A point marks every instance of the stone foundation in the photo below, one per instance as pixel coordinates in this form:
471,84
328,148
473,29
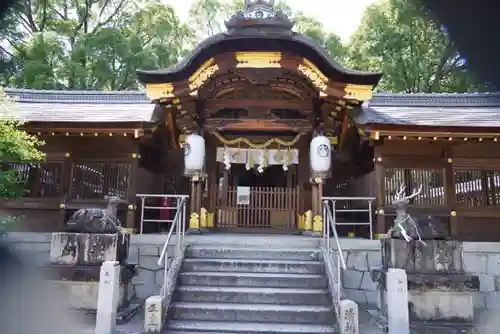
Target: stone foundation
362,256
84,295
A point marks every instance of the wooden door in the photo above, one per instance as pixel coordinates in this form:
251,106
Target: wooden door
269,208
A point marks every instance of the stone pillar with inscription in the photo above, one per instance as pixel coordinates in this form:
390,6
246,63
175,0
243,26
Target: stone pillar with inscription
107,302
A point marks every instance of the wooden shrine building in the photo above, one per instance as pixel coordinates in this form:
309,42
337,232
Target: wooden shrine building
258,94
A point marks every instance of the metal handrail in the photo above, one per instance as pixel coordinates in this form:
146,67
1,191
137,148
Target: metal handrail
178,225
330,222
144,207
367,210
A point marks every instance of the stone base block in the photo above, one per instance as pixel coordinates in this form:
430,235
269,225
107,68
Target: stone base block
88,249
444,306
84,295
435,297
441,305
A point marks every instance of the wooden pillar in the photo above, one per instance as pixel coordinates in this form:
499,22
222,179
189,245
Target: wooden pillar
209,201
316,207
66,178
195,205
450,198
305,195
380,193
130,223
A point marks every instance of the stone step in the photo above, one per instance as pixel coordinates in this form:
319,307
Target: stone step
221,252
195,327
288,314
253,265
270,280
279,296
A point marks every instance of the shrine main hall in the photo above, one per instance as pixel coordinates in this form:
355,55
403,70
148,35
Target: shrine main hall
257,127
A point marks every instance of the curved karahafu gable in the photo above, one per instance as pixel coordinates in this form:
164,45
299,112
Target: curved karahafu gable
265,34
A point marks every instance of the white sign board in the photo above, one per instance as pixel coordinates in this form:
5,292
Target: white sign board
243,196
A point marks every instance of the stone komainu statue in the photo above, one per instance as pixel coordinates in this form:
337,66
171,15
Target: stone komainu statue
96,220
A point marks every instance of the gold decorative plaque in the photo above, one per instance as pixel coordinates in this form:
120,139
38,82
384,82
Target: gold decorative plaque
258,59
311,72
358,92
203,74
157,91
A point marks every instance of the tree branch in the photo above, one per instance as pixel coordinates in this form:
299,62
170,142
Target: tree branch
118,8
5,51
29,16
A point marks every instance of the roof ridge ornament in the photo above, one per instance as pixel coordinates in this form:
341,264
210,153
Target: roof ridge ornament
261,14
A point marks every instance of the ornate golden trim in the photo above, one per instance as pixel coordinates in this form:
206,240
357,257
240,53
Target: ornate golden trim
258,59
203,74
194,221
210,220
310,71
317,225
203,218
358,92
301,220
334,140
158,91
308,220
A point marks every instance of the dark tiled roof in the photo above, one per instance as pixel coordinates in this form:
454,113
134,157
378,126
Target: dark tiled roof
81,106
479,110
446,110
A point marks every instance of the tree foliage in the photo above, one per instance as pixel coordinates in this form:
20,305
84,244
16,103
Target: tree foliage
92,44
98,45
414,52
16,146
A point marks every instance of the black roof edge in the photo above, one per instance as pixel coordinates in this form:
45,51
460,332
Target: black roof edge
295,43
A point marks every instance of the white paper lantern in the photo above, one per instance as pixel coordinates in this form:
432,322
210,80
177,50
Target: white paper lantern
320,152
194,154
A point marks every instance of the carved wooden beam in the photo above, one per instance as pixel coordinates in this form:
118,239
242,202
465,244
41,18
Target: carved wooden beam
343,131
223,63
214,105
293,125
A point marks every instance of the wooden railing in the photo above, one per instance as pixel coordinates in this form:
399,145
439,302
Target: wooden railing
431,180
477,188
39,179
99,180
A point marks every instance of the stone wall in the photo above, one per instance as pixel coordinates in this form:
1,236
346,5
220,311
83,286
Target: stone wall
483,259
362,256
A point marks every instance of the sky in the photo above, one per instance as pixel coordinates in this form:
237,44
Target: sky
339,16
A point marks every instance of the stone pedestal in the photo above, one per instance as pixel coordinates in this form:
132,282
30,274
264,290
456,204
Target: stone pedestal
75,264
438,288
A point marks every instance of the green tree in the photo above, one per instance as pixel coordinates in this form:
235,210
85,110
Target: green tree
207,16
93,44
415,53
16,146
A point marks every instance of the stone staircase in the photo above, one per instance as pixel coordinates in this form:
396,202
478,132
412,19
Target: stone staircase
247,290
